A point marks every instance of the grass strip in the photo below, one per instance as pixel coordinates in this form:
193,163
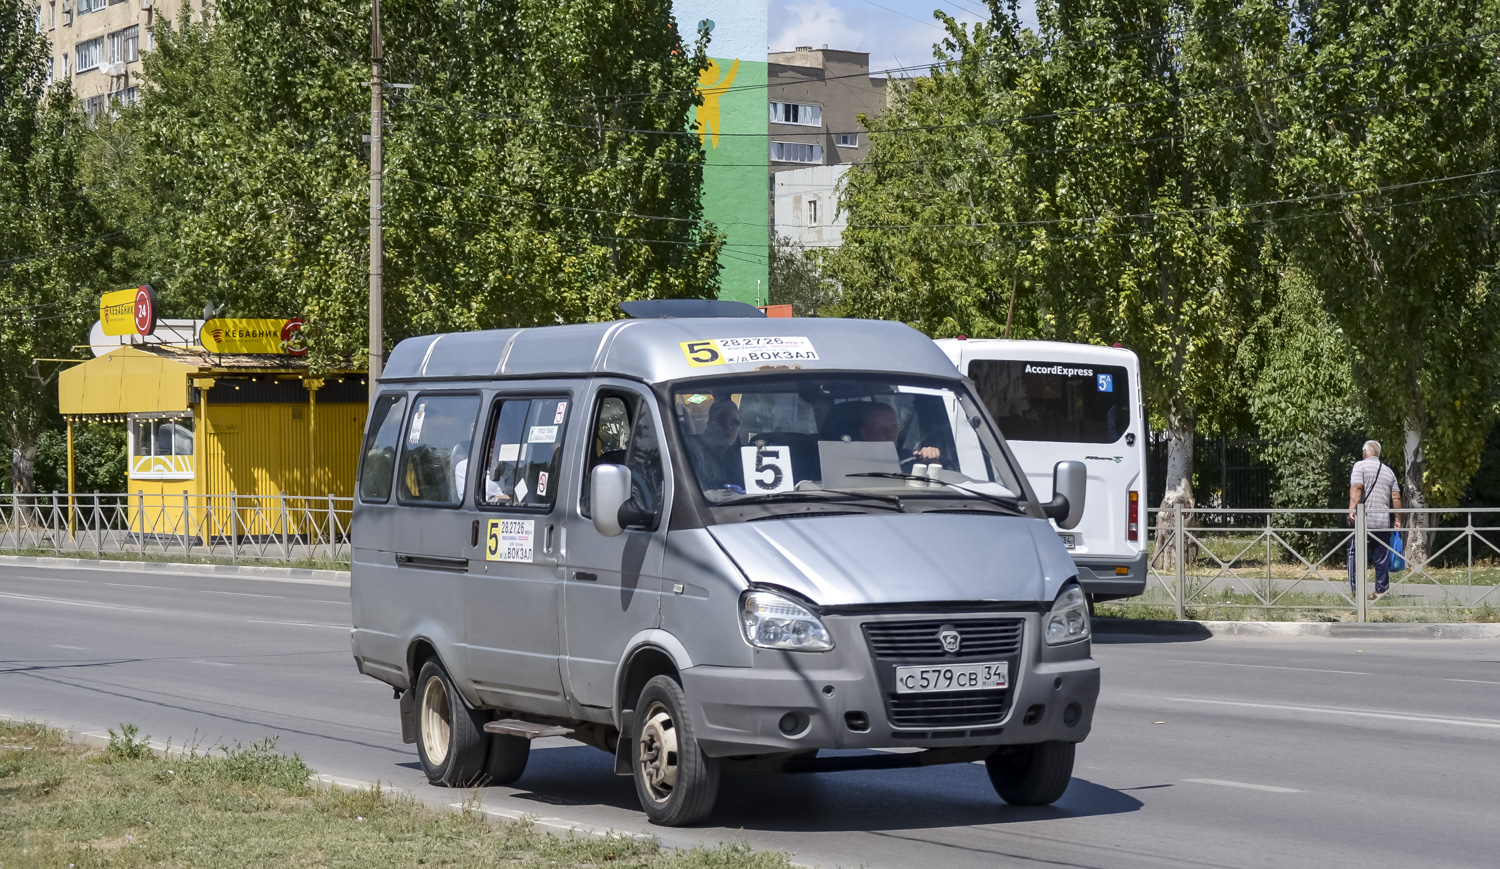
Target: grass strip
65,805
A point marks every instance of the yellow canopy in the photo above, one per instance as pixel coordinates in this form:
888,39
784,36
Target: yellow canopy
124,381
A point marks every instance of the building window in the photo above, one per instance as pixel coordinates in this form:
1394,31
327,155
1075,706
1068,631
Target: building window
848,140
161,448
797,113
51,16
95,106
125,97
90,55
51,70
812,212
87,6
125,45
796,152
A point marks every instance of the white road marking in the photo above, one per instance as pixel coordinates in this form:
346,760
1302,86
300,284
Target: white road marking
212,663
1270,789
1473,681
91,604
272,596
69,648
1488,723
1269,667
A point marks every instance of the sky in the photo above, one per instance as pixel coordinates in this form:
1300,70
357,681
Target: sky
896,33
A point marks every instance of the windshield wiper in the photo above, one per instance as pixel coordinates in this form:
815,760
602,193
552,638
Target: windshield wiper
840,495
1013,504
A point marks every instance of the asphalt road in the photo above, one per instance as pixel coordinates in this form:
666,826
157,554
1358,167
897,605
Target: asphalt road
1218,752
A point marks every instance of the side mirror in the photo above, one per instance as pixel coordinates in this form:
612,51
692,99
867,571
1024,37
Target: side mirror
1069,481
609,490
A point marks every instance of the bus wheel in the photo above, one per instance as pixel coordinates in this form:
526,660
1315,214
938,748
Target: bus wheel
450,736
1031,775
677,784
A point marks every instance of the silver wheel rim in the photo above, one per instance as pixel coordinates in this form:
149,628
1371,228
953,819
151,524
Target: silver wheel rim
658,753
436,721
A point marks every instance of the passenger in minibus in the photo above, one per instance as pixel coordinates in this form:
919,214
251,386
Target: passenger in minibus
716,455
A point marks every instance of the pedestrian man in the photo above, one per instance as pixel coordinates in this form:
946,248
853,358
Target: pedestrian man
1373,484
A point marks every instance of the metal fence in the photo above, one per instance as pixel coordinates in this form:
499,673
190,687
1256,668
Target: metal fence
1214,563
312,530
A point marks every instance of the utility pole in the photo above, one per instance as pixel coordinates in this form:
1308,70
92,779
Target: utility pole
377,253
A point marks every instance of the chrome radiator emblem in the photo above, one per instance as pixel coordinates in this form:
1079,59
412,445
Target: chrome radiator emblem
950,640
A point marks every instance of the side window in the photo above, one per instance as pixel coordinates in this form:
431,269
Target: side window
522,453
435,458
380,449
624,434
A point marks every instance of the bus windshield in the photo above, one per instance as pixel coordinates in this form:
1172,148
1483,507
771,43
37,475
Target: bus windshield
781,437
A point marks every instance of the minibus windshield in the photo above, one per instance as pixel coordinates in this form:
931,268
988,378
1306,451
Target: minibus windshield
807,436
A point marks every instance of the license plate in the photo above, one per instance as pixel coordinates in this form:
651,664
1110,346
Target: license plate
954,677
1068,541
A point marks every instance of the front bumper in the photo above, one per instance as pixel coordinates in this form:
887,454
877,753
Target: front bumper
740,711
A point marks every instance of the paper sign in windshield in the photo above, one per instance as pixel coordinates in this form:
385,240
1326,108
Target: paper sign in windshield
739,351
543,434
509,540
768,470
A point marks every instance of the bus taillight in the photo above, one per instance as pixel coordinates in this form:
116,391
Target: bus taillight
1133,517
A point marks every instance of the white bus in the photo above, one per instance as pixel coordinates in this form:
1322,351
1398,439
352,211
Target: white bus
1059,402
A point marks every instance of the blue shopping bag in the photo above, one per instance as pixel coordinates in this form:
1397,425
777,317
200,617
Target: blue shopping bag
1398,548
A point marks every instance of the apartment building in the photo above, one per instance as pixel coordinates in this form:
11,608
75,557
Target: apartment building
98,44
817,96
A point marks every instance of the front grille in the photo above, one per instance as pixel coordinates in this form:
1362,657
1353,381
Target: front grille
954,709
918,641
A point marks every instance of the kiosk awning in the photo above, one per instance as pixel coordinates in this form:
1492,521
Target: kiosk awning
125,381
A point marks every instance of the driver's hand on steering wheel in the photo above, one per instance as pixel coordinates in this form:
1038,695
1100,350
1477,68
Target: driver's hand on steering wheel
928,454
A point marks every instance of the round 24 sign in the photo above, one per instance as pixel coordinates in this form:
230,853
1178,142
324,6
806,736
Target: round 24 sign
145,310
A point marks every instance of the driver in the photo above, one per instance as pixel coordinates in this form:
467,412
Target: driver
879,423
715,453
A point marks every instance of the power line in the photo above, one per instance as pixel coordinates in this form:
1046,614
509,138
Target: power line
1207,209
1174,230
1043,116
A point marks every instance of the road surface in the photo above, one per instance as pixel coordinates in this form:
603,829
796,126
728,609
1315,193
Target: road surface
1205,753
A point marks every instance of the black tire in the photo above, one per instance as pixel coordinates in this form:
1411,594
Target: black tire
455,758
507,760
676,783
1031,775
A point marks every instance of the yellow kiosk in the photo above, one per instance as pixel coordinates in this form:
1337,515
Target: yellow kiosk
221,443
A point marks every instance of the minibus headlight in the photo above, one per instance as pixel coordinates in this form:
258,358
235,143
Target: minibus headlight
1068,622
771,621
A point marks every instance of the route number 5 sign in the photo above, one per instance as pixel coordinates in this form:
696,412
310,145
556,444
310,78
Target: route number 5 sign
768,470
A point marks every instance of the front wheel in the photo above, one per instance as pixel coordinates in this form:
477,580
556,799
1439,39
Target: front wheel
450,736
676,782
1031,775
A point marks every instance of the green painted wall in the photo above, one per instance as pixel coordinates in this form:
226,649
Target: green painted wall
735,185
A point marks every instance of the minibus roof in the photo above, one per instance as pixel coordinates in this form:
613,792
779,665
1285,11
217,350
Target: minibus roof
670,349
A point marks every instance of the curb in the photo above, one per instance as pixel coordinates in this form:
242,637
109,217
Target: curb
322,577
1329,630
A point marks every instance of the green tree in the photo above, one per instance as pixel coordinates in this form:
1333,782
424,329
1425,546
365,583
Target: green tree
797,280
1100,170
50,238
1404,244
1300,391
541,169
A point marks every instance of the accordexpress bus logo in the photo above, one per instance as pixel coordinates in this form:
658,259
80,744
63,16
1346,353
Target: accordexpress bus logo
1062,370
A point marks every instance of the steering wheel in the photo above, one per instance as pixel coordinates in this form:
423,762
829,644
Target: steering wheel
909,461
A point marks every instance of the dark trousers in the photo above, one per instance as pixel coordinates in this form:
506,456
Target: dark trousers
1377,555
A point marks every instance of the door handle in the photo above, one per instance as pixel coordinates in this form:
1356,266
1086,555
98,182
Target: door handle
547,540
474,533
585,576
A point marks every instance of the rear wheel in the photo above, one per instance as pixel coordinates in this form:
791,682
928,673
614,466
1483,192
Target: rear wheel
507,760
450,736
1031,775
677,784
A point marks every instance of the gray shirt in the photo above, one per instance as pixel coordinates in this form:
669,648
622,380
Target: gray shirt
1379,482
